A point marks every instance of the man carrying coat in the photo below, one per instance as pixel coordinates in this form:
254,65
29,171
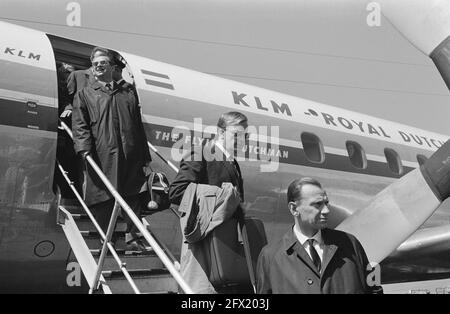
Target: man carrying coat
311,258
107,125
213,166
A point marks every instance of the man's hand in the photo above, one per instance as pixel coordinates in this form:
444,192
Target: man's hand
84,154
66,113
147,168
227,184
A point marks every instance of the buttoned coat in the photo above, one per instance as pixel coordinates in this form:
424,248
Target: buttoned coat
285,267
108,124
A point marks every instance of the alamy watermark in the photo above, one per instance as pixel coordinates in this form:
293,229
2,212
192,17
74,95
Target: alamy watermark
73,279
253,143
374,274
74,16
374,17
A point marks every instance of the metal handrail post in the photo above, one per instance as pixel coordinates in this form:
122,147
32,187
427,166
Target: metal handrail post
109,234
137,222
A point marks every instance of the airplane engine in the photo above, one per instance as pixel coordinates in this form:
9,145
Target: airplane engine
401,208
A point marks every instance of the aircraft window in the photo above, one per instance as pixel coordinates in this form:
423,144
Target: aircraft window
313,148
421,159
356,154
393,160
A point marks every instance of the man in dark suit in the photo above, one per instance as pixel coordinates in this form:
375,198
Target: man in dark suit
311,258
213,164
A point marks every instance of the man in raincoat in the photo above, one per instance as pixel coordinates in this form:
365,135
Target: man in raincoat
107,125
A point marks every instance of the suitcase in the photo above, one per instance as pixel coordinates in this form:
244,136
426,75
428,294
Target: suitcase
228,261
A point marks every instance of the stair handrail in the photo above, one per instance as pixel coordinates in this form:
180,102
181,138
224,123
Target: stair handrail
136,221
94,285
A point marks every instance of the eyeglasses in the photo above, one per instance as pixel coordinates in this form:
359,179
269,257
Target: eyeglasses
102,62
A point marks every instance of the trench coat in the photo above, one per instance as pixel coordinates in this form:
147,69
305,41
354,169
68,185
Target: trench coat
108,124
285,267
203,208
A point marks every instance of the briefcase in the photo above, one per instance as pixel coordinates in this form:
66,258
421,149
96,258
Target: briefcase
228,261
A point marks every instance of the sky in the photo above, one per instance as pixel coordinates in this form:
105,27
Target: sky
322,50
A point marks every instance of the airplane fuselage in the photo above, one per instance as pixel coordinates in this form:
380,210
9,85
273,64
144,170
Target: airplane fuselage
353,155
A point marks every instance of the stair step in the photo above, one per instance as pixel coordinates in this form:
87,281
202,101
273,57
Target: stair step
93,242
70,202
157,282
150,261
114,274
96,252
95,234
74,209
77,217
87,225
122,252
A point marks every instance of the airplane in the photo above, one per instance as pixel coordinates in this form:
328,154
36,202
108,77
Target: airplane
355,156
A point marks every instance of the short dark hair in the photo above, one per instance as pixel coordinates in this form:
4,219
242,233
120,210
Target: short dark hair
295,188
104,52
231,118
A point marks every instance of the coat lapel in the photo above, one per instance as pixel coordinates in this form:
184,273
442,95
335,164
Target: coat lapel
303,255
225,163
291,244
329,250
97,86
231,171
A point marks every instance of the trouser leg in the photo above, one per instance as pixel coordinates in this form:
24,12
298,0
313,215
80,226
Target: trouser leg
135,203
102,213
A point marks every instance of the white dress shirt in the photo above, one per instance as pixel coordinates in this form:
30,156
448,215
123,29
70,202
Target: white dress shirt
105,83
318,242
224,151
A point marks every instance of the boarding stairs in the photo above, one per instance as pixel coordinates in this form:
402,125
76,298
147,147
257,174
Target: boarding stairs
109,268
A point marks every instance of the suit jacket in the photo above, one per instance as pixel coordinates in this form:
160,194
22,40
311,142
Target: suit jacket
195,168
78,80
285,267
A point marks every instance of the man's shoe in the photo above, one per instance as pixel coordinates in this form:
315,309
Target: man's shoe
137,246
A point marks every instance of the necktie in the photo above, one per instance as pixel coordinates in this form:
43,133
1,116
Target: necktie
237,168
314,256
239,177
108,86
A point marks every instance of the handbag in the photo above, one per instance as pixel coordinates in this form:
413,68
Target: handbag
157,196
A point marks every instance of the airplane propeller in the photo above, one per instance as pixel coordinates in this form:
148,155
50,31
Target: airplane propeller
426,24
